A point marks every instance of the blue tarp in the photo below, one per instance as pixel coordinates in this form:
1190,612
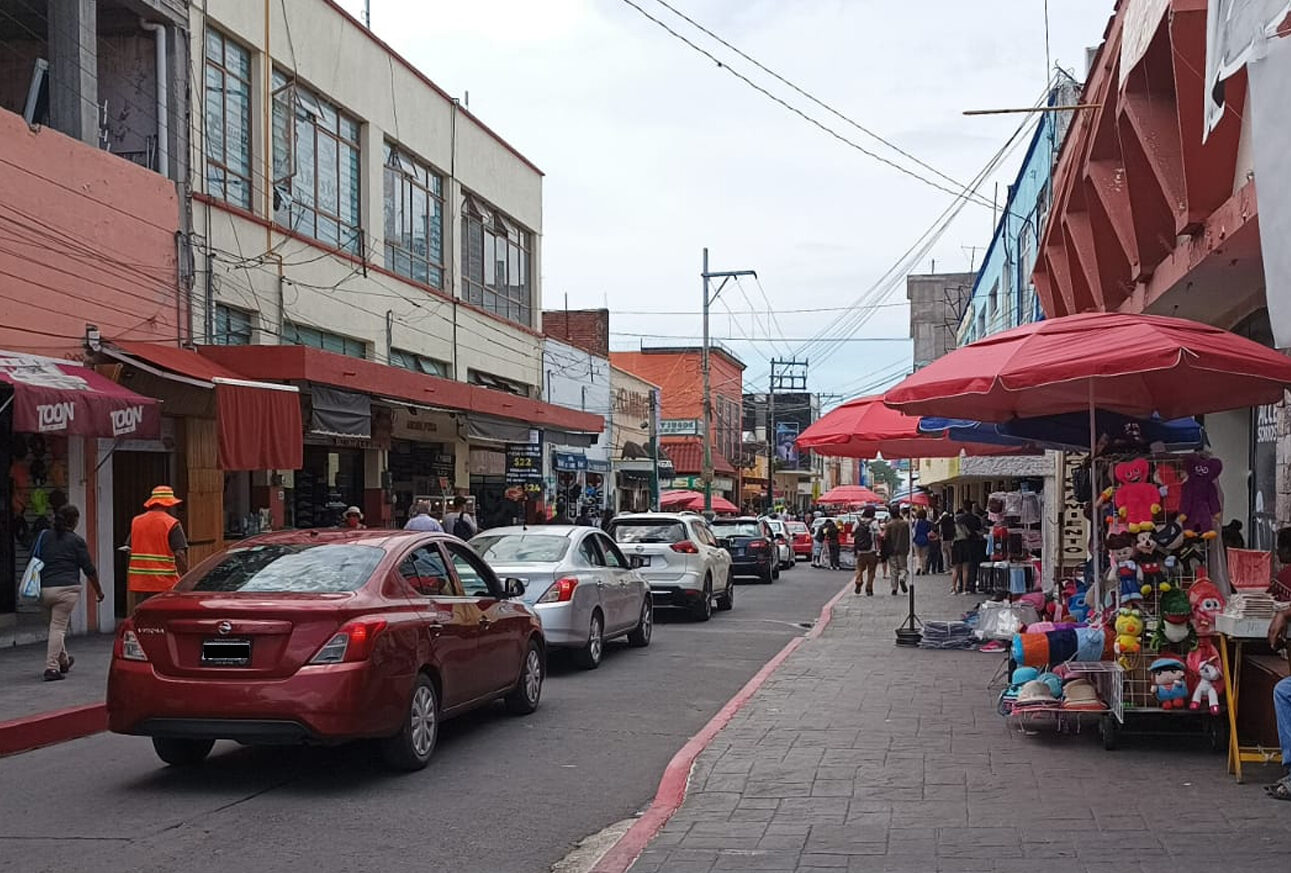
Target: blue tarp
1070,431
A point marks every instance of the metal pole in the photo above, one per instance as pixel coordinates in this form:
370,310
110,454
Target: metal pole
654,450
771,442
707,409
367,14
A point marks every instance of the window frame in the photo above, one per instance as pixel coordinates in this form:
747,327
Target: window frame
609,550
588,550
443,369
498,297
411,175
451,549
291,332
220,338
221,163
450,579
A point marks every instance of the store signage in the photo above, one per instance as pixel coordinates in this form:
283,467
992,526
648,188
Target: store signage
679,427
1073,532
524,466
126,421
569,461
54,416
631,403
595,465
1264,478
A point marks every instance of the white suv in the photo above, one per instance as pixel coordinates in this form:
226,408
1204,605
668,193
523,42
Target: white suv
678,555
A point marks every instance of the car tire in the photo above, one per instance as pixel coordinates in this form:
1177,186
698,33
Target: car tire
589,656
775,571
527,694
180,752
726,601
766,577
703,609
639,636
411,748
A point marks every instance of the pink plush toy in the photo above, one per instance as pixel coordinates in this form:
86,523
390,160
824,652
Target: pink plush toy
1200,497
1137,500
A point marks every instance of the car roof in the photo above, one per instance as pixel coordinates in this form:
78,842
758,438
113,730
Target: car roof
656,516
542,530
332,536
735,518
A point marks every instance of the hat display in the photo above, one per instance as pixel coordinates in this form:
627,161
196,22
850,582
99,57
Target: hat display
1080,694
1035,693
162,495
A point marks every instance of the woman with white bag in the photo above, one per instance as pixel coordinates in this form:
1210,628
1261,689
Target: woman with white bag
64,556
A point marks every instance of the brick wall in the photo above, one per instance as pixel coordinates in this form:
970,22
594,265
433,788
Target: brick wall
587,329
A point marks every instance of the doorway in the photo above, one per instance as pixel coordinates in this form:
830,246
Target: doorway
134,475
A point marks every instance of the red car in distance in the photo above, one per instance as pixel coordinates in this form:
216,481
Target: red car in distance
324,636
800,539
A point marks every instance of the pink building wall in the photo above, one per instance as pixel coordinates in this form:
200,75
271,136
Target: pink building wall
85,237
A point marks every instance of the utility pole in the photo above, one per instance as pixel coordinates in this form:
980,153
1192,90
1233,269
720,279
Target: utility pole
705,276
654,450
771,441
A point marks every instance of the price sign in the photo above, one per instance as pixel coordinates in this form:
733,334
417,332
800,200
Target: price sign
524,466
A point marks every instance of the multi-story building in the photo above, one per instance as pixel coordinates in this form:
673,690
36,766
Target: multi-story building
798,475
633,443
576,467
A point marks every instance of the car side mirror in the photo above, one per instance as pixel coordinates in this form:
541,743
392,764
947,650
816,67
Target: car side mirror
635,562
512,587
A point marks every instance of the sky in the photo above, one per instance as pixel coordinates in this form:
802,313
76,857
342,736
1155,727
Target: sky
653,151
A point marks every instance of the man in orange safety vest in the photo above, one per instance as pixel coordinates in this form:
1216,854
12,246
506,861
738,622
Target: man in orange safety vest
158,548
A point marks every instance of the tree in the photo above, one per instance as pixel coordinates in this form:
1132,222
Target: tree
882,471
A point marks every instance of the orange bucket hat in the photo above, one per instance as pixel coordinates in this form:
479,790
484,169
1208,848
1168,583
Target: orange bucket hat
162,495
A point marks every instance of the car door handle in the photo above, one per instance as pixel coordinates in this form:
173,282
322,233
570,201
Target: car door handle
485,621
435,629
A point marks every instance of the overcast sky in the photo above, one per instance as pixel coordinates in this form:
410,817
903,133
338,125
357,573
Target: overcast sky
651,151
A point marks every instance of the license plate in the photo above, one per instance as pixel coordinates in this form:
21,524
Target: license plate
644,559
737,552
226,653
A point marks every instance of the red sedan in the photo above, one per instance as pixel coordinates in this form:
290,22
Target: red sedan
324,636
801,537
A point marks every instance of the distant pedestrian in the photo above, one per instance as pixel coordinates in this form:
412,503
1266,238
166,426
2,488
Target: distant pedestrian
158,548
1231,535
923,529
422,519
865,547
459,522
898,542
353,519
817,545
66,557
968,529
832,549
885,553
946,537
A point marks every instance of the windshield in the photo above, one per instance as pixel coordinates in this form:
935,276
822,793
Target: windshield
736,528
661,531
797,527
296,568
521,548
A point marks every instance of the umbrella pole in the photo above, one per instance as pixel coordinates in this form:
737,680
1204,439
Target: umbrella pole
1096,584
910,633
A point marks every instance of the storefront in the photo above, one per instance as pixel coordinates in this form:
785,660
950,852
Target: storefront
422,460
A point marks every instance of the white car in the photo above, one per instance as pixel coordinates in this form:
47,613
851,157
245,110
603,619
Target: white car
783,544
679,556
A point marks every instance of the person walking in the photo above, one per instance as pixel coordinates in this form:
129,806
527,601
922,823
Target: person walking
832,543
885,553
66,557
158,548
817,545
459,522
865,545
422,519
898,543
946,537
923,529
964,550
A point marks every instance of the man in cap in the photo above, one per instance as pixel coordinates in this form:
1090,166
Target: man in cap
158,548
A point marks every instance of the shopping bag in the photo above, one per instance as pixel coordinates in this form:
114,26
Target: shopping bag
30,586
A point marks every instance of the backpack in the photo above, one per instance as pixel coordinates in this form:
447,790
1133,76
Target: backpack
462,528
863,538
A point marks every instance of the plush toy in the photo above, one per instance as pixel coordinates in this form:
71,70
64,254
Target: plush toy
1199,501
1171,482
1207,602
1174,624
1136,499
1076,593
1207,678
1124,573
1168,674
1129,629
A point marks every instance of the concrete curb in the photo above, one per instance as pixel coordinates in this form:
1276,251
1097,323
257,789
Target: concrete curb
49,728
676,776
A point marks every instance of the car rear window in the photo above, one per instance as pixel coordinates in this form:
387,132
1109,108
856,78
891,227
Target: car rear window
736,528
521,548
797,527
297,568
662,531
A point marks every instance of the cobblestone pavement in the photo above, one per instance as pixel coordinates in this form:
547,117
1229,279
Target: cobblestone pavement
858,755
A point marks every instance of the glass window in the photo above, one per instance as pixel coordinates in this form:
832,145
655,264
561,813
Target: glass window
495,263
521,548
424,570
662,531
738,528
301,335
705,534
232,326
588,553
316,166
471,572
613,557
296,568
418,363
228,120
414,218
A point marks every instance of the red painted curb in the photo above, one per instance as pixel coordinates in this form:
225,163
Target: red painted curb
676,776
48,728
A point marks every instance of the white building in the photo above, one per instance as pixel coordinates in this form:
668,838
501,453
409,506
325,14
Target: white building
579,473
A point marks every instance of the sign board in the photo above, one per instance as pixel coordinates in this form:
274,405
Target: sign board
568,461
524,466
679,427
1073,532
1264,477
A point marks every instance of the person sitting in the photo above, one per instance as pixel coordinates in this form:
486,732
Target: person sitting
1281,790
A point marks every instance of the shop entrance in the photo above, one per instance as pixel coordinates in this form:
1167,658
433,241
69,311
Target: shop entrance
330,480
134,475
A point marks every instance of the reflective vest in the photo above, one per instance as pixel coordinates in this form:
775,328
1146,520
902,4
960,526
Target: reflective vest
152,563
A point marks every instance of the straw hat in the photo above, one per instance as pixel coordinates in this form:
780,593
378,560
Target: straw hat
1035,692
1080,694
162,495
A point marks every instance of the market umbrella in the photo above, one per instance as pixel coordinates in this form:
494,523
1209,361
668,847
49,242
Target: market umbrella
913,498
848,494
865,428
1071,430
672,498
694,501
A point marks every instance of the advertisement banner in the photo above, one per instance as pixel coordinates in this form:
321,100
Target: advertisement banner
786,448
1264,478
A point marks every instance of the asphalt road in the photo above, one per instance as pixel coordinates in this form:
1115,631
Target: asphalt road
502,793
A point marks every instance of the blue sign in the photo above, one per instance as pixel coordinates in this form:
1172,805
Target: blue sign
569,461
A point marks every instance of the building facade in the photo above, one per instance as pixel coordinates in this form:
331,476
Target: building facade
579,479
640,470
937,304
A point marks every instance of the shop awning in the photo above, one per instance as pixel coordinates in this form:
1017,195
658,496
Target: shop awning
259,423
303,364
687,455
60,397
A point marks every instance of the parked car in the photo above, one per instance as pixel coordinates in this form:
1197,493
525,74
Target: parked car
323,636
679,556
578,581
752,547
780,535
800,540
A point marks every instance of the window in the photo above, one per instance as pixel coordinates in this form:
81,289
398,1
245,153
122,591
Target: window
418,363
613,557
497,383
705,534
495,263
470,572
300,335
232,326
228,120
528,548
307,568
315,166
587,552
414,218
648,531
425,572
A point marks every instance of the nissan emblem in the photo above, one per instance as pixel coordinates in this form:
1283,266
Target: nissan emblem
225,628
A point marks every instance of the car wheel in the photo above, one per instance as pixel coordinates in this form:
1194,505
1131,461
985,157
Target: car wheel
182,752
411,748
639,636
726,601
524,698
589,656
703,610
766,577
775,571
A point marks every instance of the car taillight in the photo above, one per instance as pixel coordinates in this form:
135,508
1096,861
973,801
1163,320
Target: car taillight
353,642
757,545
127,646
686,547
561,591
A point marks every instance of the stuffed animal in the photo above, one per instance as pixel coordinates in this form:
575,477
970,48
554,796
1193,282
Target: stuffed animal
1207,602
1168,678
1208,679
1199,502
1171,482
1136,499
1124,573
1129,629
1174,624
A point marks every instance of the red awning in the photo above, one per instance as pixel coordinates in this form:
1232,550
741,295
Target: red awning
61,397
259,423
687,455
303,364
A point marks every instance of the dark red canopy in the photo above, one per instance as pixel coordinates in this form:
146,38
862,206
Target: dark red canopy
1132,364
866,428
61,397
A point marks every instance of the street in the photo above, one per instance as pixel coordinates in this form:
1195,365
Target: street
501,794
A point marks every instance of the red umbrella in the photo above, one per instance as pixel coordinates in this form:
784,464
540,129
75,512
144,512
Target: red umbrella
694,502
1132,364
672,498
865,428
848,494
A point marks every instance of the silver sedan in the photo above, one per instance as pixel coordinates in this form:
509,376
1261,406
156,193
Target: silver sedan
580,584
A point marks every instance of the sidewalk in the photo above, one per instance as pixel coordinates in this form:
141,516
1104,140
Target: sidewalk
34,712
857,755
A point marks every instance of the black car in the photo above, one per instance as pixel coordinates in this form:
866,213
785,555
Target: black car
752,547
